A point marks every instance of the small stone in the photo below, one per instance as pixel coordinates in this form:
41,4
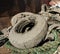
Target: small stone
8,49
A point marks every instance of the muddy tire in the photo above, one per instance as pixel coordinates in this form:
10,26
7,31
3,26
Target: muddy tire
17,17
28,31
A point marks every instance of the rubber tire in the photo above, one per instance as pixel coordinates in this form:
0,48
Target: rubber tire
31,38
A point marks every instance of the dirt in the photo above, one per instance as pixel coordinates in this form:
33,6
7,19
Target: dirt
4,22
4,50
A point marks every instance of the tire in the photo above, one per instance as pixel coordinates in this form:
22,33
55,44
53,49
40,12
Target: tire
18,16
30,36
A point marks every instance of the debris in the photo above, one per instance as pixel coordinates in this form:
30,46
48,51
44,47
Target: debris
24,28
29,29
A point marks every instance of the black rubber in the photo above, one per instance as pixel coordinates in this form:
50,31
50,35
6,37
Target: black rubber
3,41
